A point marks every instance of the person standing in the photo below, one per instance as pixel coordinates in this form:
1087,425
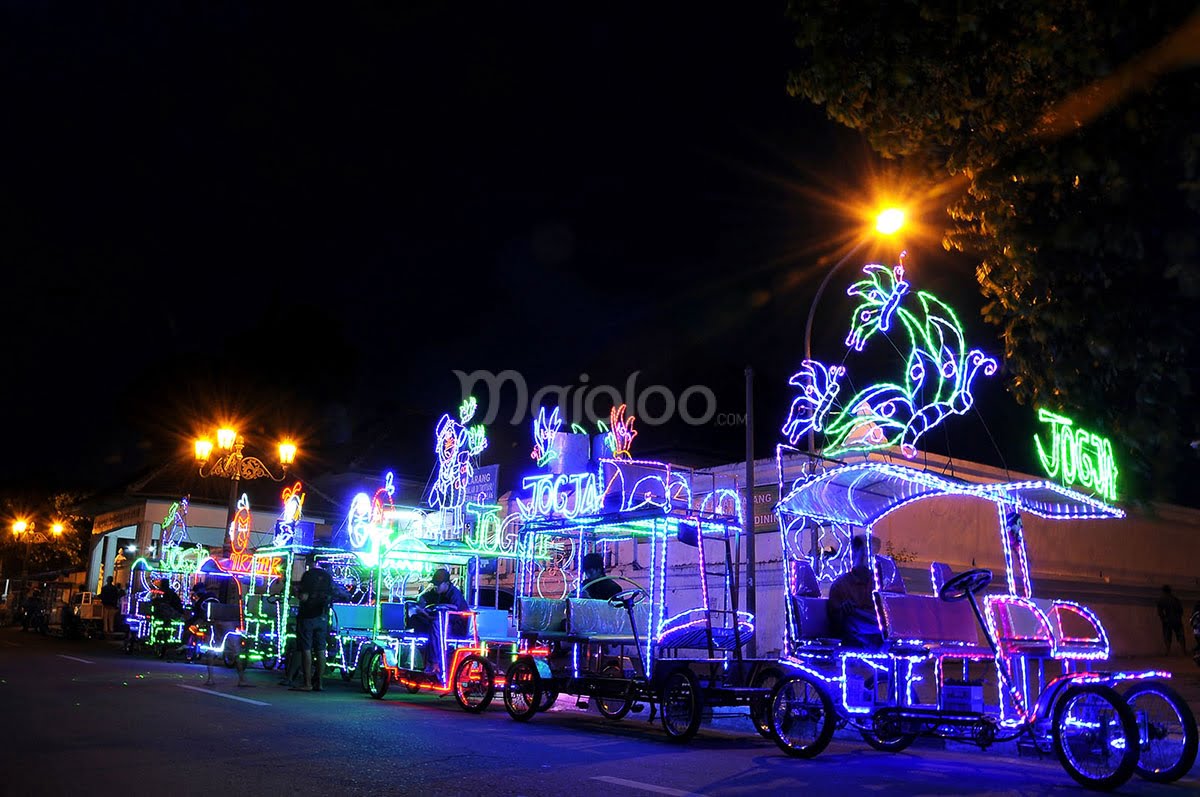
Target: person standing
312,625
110,602
1170,613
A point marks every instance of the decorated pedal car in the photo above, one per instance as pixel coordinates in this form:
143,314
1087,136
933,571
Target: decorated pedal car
1103,726
674,642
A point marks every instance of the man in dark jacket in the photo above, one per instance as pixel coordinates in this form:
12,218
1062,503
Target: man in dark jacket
316,594
1170,613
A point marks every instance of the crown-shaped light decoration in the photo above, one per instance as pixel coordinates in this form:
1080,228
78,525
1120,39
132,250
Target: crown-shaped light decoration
939,371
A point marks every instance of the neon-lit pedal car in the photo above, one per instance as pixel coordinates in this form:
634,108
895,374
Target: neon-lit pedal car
901,691
466,654
676,642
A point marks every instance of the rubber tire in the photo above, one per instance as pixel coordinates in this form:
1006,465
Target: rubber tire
759,710
549,698
522,702
824,733
613,671
891,744
487,677
1125,768
681,685
1188,756
270,662
229,653
375,678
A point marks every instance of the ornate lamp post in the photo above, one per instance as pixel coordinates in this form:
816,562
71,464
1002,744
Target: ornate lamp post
236,466
888,222
22,528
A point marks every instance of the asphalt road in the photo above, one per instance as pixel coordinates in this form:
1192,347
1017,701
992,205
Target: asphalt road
82,718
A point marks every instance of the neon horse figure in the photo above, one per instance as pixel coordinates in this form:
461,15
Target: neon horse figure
938,375
456,445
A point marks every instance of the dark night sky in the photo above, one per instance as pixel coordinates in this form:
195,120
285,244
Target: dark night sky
310,218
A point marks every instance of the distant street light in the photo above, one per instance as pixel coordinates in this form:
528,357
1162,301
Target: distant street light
237,466
888,222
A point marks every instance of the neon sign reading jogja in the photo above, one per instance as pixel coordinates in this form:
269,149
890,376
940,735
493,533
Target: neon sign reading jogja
1075,455
560,495
939,371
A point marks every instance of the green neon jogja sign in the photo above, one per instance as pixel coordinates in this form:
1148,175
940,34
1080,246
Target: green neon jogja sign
1077,456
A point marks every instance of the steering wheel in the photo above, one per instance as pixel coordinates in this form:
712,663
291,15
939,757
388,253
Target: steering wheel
966,583
628,597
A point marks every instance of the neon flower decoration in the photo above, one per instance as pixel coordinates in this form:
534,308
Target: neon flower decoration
545,437
939,371
239,536
620,433
174,525
1075,455
456,445
293,505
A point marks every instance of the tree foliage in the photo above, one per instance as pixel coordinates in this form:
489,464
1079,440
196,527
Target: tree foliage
1072,127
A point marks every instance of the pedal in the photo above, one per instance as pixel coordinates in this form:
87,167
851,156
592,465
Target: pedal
637,708
581,702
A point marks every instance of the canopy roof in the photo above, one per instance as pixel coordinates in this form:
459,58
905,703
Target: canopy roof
862,493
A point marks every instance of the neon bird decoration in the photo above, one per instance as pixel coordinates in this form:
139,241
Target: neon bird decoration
939,372
545,437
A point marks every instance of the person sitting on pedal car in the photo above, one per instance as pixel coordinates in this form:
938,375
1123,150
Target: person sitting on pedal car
423,617
167,605
596,584
851,607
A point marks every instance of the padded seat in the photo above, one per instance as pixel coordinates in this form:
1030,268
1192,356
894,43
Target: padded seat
810,625
1076,631
599,621
542,617
353,617
494,625
691,630
922,622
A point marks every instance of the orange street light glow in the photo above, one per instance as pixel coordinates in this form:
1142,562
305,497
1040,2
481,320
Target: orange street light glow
19,527
889,221
287,452
226,438
203,450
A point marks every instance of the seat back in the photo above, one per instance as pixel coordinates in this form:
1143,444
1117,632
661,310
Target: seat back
392,616
494,625
802,580
810,617
1018,621
927,620
351,616
890,579
1074,628
542,615
590,617
222,612
939,574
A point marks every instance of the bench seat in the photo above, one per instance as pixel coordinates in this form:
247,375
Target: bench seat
925,623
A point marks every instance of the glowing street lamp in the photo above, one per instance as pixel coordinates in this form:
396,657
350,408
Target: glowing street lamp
27,529
231,463
887,222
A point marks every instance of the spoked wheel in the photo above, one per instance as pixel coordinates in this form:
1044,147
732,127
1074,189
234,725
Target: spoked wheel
1095,736
474,684
799,715
613,708
760,708
522,689
681,705
270,661
1166,732
375,680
